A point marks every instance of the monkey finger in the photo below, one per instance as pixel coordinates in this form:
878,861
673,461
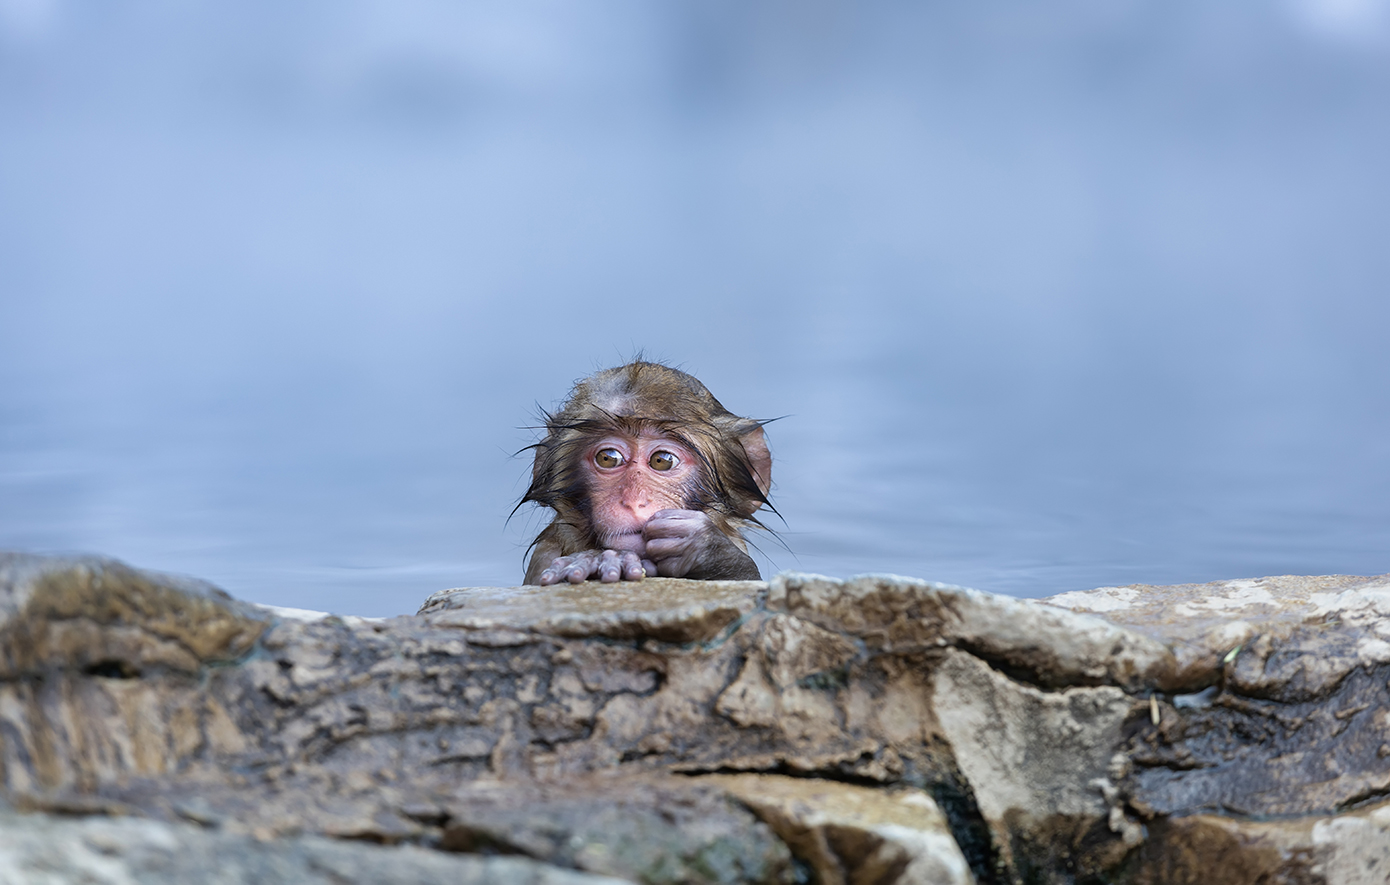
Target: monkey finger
610,567
677,513
649,567
578,574
675,566
632,567
556,572
575,569
675,524
665,548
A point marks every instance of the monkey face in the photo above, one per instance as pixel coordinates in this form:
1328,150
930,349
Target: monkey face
629,478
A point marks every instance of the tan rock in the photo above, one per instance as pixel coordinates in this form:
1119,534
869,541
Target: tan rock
1119,742
43,850
667,609
852,834
1352,848
1202,623
1053,647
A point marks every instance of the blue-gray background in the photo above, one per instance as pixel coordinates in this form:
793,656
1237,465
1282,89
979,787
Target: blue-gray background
1053,295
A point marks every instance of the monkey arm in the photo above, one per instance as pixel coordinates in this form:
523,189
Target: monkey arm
550,544
688,544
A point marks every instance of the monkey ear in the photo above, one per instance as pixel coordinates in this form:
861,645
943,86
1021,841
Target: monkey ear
760,459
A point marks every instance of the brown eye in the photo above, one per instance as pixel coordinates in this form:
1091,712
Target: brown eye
662,461
608,458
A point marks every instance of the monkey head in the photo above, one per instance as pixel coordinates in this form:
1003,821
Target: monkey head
643,462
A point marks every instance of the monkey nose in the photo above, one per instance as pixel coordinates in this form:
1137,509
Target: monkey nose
642,511
641,507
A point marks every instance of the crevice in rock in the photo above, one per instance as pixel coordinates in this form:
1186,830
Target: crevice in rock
1029,676
551,745
464,839
826,680
782,768
723,636
112,669
376,837
1366,797
430,817
1176,764
951,794
633,755
458,759
968,828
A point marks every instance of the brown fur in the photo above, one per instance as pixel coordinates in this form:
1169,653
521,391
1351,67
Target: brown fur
735,467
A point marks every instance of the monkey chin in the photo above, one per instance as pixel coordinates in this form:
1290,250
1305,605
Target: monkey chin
626,542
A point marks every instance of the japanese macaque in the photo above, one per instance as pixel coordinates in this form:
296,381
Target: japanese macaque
648,475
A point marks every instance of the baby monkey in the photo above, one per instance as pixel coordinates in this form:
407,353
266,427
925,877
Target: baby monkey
648,475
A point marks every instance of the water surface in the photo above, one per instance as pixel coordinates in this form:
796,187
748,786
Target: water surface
1050,298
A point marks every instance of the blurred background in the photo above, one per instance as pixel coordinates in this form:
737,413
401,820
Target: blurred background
1051,296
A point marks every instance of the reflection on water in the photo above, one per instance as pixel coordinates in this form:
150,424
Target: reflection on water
1051,298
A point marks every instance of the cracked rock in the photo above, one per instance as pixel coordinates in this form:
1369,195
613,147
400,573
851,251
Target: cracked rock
878,729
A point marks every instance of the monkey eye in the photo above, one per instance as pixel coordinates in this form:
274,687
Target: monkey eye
663,461
608,458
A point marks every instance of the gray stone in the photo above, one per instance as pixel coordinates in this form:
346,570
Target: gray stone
39,849
1202,623
877,729
1033,758
667,610
1050,647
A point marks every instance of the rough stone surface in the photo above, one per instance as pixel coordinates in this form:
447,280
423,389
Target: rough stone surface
667,610
879,730
1201,623
1046,646
40,849
1292,721
855,834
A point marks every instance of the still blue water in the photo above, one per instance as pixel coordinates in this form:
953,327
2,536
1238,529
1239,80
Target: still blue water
1050,297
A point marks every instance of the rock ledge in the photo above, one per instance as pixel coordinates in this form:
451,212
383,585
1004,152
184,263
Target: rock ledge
879,729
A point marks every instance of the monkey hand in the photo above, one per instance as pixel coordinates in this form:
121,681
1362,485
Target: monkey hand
687,544
607,565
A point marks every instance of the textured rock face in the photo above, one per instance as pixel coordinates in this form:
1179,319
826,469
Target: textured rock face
37,849
874,730
1288,718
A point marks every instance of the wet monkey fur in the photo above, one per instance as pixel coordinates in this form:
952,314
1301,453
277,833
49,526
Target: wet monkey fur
648,475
